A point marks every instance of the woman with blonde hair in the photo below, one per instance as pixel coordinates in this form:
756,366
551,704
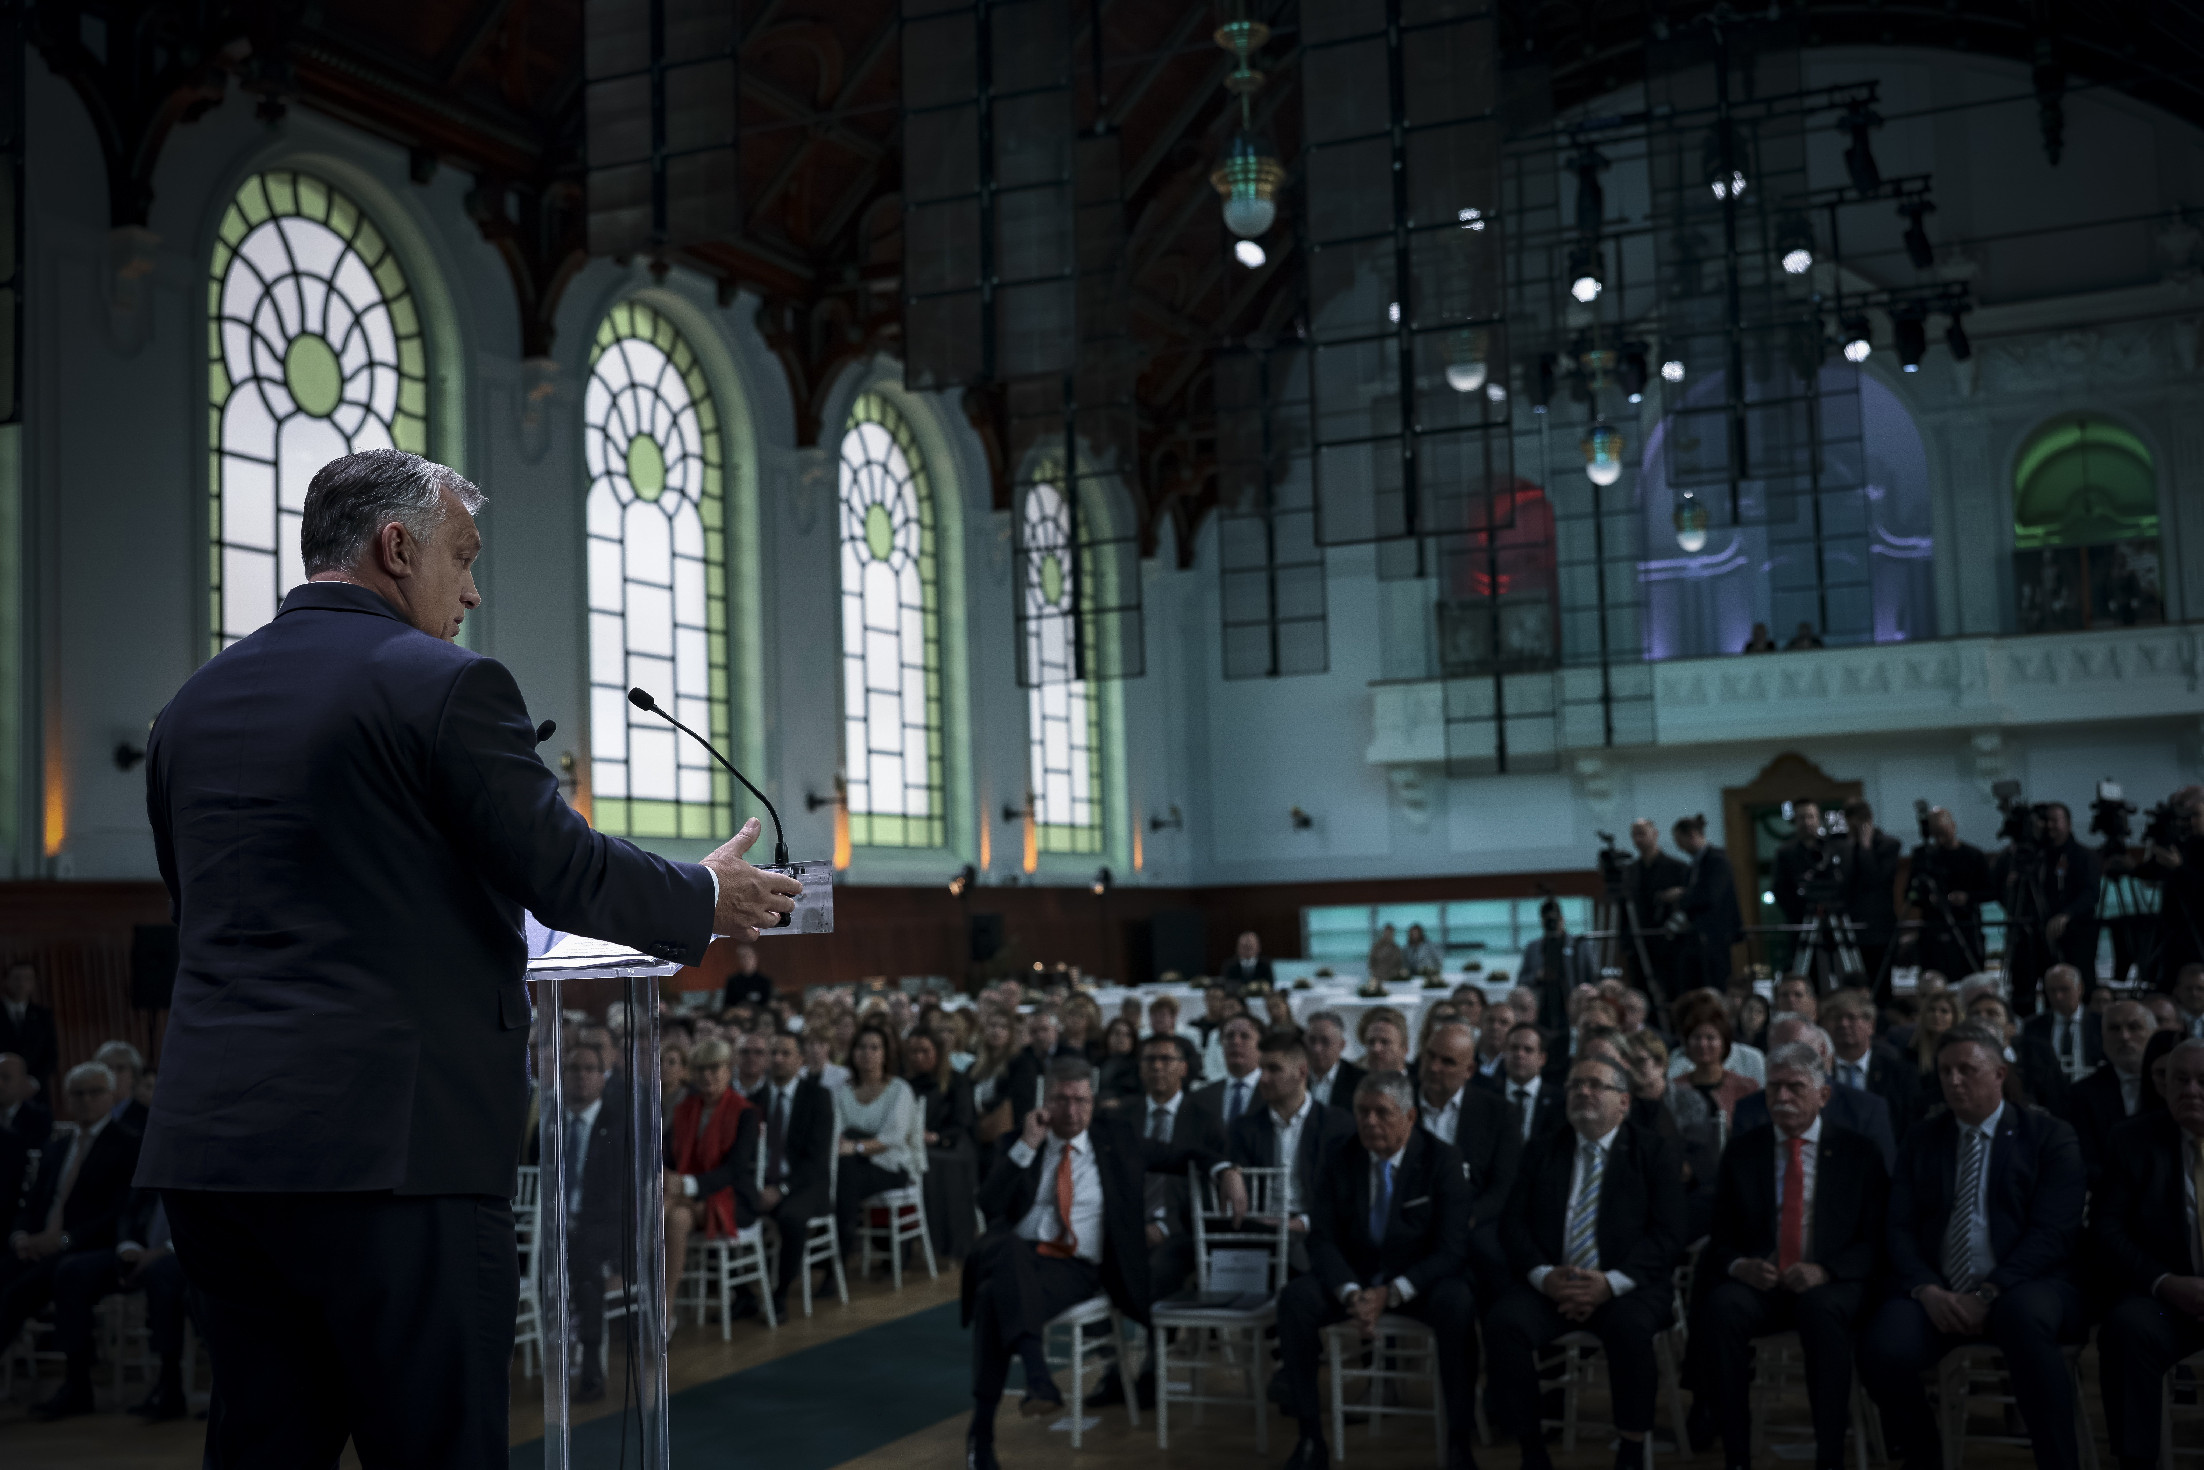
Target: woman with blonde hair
1939,1012
711,1151
1081,1020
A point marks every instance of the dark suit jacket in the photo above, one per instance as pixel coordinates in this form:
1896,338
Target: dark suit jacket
350,816
1894,1078
1848,1107
15,1174
1851,1191
1641,1207
1489,1137
1237,976
751,989
1426,1229
1871,888
1344,1084
1196,1129
1793,860
32,1123
810,1141
1547,1109
2038,1028
1211,1094
595,1231
1710,899
1122,1157
2041,1074
2035,1187
35,1041
951,1114
2070,882
2139,1220
1254,1144
2095,1107
95,1205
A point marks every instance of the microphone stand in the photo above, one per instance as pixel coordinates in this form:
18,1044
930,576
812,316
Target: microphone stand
642,700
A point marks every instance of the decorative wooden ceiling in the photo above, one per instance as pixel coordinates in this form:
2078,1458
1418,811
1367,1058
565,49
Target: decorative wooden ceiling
494,88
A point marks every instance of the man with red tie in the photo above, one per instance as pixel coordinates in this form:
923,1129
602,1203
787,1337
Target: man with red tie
1798,1226
1064,1206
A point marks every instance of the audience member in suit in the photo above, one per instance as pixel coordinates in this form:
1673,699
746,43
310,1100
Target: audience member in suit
22,1114
2144,1224
1483,1130
746,983
712,1155
1555,964
2073,1036
2113,1093
1797,1234
1233,1093
1247,967
1290,1131
1043,1044
1332,1078
1534,1100
75,1204
122,1059
1063,1202
142,1259
15,1175
1652,882
2188,1000
1985,1213
1856,1109
1593,1230
1388,1232
26,1027
1709,902
1861,1063
594,1140
2069,890
2042,1081
796,1141
1169,1116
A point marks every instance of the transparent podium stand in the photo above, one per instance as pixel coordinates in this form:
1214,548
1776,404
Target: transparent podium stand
591,1214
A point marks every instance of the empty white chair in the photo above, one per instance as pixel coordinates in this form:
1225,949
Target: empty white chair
717,1265
1231,1333
1074,1322
1403,1351
886,1223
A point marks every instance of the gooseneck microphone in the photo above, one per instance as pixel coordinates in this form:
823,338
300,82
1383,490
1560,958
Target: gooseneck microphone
642,700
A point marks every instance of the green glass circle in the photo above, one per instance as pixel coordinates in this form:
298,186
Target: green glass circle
311,373
1052,579
879,531
646,467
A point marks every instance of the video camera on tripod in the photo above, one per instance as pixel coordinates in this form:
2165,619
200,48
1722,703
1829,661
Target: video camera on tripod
2024,824
1823,885
2108,816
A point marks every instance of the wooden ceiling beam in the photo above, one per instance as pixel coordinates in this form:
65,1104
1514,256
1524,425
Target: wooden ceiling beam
458,58
859,75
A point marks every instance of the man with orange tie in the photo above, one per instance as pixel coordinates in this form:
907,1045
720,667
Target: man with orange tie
1798,1227
1064,1210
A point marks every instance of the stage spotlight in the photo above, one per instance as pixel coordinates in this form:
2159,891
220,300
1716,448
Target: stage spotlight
1722,164
1249,253
1918,248
1794,244
1603,454
1630,374
1909,330
1584,274
1856,343
1955,337
1859,158
1691,525
1542,393
1672,371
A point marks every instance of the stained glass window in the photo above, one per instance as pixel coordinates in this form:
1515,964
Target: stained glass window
1063,717
891,635
657,581
316,353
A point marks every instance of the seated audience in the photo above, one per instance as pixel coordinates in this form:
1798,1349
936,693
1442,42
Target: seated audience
22,1115
1167,1114
1278,1011
673,1077
753,1060
1419,955
27,1028
1796,1237
1384,1035
989,1073
1219,1005
143,1259
2073,1035
2188,1001
592,1139
818,1053
1388,1232
1534,1103
746,984
1750,1028
2160,1005
1862,1112
1163,1016
75,1204
712,1153
952,1158
1247,967
2033,1068
1706,1037
1290,1131
1481,1129
2143,1222
1233,1093
1664,1104
1332,1079
122,1059
796,1139
2113,1093
1593,1230
1081,1021
1386,962
880,1127
1063,1205
1435,1015
1985,1212
2157,1057
1865,1064
1120,1074
1938,1012
1043,1044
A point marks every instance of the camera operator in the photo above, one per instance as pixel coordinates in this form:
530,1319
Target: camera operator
2070,879
1872,895
2173,856
1794,860
1708,904
1950,878
1651,883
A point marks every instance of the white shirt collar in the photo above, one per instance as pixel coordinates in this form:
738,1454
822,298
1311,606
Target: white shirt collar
1078,1143
1988,1126
1529,1089
1171,1108
1300,1114
1452,1104
1604,1142
587,1117
1812,1134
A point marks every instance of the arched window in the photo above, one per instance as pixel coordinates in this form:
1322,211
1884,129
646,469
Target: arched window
657,581
2085,529
317,353
891,635
1063,715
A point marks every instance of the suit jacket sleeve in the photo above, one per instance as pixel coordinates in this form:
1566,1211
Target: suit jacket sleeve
1002,1198
1735,1217
809,1171
1900,1242
1326,1220
1450,1196
1653,1256
1516,1240
1859,1257
2082,870
502,806
1507,1160
2046,1244
2121,1194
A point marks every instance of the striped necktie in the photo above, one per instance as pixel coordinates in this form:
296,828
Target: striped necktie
1959,1262
1582,1245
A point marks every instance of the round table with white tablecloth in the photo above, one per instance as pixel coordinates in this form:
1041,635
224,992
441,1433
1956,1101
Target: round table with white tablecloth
1334,993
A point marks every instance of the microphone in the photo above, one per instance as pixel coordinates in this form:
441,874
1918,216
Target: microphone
641,699
546,730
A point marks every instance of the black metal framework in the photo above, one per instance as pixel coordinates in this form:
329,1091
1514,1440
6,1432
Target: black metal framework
661,80
11,214
1271,592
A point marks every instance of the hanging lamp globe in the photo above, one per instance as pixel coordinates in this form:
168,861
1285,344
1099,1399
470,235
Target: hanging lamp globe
1603,454
1248,181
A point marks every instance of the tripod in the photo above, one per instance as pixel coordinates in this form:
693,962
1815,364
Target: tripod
1618,903
2028,951
1829,950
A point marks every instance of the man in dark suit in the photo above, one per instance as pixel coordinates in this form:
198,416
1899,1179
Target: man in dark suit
1793,861
22,1114
1861,1063
122,1059
1534,1100
2041,1078
1332,1078
1592,1230
1290,1131
141,1260
592,1137
746,983
1555,964
74,1205
1044,1044
1388,1232
1709,903
1871,892
1798,1227
1649,880
1232,1095
1063,1205
2068,886
2143,1222
1985,1213
1247,966
1483,1130
795,1157
350,815
26,1027
2073,1036
1861,1111
2113,1093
